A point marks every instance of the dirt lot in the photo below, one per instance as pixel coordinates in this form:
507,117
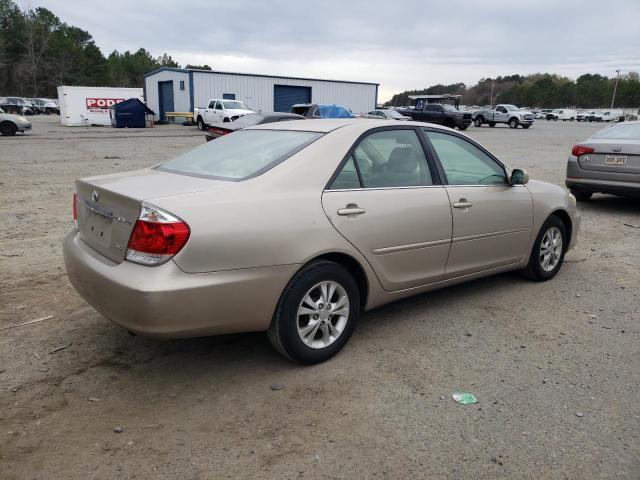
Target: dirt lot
555,366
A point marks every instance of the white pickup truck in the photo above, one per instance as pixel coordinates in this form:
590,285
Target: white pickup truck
509,114
219,110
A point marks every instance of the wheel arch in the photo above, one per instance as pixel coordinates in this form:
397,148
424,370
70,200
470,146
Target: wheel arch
566,220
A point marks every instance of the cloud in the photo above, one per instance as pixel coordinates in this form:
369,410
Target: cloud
401,44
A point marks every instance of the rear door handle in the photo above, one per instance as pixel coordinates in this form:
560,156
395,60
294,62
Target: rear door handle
462,203
351,210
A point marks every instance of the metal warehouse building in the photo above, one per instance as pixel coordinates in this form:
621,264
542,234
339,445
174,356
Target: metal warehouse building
179,90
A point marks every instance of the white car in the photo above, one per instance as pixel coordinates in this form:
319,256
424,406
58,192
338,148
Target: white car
10,124
585,115
605,116
220,110
567,114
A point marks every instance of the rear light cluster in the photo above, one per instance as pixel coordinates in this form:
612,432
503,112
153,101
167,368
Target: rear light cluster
156,237
578,150
218,131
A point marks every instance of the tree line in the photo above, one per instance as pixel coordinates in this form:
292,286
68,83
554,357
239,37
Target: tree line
541,91
39,52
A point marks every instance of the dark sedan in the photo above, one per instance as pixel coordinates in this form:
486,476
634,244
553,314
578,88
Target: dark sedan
219,129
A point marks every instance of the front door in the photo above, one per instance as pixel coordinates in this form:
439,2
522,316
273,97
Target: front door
165,98
492,220
385,202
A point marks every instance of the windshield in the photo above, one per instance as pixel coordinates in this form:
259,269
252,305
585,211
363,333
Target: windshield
234,105
622,131
240,155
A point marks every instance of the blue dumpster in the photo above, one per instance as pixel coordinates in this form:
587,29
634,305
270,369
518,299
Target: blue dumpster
131,113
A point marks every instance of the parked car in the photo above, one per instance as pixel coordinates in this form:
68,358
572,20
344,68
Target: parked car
584,115
509,114
219,129
44,105
607,116
567,114
440,114
553,114
275,228
10,124
606,162
220,110
542,113
386,114
314,110
16,106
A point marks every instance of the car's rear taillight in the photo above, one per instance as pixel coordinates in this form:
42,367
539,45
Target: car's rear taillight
578,150
218,131
75,208
156,237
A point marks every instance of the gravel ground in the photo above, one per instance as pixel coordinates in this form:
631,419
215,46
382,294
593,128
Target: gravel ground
555,366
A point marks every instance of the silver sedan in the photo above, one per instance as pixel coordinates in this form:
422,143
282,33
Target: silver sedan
606,162
295,228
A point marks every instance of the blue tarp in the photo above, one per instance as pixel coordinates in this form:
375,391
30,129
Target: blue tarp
334,111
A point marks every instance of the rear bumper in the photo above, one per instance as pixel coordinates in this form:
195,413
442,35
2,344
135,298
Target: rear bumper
601,182
23,127
166,302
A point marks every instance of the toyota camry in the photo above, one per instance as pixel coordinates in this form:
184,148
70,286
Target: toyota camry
295,228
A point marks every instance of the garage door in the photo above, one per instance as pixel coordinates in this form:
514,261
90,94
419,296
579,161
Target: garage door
286,95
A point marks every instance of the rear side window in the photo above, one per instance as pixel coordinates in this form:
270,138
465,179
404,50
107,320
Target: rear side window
464,163
240,155
390,158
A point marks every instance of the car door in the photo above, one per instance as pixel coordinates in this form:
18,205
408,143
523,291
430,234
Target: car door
209,116
501,114
492,220
387,201
433,113
219,111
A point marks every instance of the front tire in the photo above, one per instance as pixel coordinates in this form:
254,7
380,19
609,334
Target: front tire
548,251
201,124
478,122
316,314
513,123
492,124
8,129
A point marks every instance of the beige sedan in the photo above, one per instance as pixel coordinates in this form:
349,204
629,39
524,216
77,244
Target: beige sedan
297,227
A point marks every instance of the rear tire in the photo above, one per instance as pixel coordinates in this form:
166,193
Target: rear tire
548,252
581,195
305,293
8,129
492,124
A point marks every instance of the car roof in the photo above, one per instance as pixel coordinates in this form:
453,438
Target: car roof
326,125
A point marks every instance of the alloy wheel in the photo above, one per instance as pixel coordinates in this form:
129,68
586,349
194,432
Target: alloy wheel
551,249
322,314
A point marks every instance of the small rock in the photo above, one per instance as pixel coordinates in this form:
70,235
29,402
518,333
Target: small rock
577,295
118,429
317,458
15,389
496,460
277,386
43,369
468,334
592,316
93,399
523,346
344,413
579,414
130,442
545,380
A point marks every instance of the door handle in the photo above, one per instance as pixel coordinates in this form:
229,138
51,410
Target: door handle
462,203
351,210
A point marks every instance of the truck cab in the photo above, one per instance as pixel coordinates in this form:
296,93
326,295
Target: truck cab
432,109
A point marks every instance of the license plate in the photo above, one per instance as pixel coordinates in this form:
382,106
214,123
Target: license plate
615,160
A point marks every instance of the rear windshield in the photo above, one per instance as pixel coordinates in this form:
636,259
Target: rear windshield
240,155
621,131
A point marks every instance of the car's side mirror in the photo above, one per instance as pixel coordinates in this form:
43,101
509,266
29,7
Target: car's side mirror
518,177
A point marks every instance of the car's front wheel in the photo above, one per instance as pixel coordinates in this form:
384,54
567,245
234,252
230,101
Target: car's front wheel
477,122
513,123
548,250
8,129
316,314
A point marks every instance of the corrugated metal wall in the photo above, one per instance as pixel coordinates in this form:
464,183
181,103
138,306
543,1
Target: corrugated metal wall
257,92
181,101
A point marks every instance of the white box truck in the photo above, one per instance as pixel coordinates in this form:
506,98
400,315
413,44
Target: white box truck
86,106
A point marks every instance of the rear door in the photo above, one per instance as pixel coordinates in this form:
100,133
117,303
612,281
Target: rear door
492,220
387,201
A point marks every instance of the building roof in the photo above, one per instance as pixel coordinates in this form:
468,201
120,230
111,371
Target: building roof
444,96
189,70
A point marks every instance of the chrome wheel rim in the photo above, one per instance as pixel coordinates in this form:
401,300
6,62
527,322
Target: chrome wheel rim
323,314
551,249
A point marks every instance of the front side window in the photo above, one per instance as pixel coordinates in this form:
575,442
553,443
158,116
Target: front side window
240,155
390,158
464,163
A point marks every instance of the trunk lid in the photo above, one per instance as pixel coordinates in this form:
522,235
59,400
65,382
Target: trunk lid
612,155
109,205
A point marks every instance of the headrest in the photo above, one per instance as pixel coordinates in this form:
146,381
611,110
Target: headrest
402,160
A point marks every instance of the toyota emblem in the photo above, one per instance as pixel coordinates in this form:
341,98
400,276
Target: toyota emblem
617,149
94,196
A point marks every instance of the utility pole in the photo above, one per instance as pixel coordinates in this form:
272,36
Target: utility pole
491,99
615,87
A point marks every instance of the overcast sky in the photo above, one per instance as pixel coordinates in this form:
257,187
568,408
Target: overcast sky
399,44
